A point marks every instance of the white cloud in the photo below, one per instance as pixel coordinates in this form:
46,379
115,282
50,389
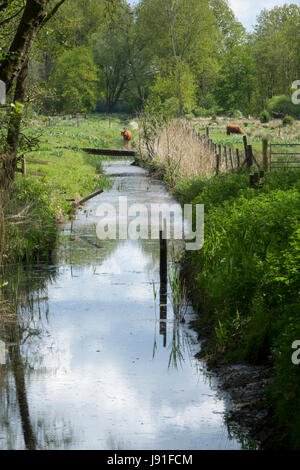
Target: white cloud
248,10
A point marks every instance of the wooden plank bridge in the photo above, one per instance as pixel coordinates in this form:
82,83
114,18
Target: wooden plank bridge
110,152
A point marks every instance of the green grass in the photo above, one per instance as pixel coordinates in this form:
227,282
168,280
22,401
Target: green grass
246,279
255,131
69,174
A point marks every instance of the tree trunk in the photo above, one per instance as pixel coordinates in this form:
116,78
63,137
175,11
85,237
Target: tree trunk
9,159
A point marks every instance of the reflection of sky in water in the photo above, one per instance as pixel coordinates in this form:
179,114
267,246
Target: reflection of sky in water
95,383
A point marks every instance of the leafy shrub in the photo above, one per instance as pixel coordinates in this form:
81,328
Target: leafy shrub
237,114
288,121
189,116
283,104
246,279
265,116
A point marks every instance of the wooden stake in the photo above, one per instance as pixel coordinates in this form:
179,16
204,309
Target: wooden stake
238,157
230,155
225,153
265,154
24,166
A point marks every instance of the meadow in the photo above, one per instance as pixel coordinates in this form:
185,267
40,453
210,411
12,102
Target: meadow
273,131
38,203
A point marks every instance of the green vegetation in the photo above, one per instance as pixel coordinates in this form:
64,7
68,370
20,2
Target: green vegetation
264,116
288,121
246,279
283,104
36,203
194,57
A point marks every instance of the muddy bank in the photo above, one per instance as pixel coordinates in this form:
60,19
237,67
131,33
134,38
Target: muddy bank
247,412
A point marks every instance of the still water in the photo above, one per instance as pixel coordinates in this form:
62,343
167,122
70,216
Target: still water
90,362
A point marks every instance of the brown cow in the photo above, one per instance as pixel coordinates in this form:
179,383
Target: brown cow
231,129
127,136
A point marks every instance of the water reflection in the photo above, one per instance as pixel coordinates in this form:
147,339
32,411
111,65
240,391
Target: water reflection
83,369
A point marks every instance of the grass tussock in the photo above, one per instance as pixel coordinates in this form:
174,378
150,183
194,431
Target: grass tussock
175,149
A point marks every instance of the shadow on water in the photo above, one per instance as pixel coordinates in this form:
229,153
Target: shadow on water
82,370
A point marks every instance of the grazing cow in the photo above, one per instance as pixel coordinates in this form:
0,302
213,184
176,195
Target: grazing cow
127,136
231,129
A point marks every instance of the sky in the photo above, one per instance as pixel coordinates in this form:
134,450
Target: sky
247,10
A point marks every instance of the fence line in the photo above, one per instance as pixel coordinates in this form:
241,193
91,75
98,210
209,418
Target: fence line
227,153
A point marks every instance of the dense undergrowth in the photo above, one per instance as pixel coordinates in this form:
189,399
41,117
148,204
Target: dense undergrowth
246,279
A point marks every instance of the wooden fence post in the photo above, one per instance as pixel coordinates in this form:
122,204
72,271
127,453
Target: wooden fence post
245,146
250,157
265,155
226,160
218,159
238,157
24,166
207,132
230,155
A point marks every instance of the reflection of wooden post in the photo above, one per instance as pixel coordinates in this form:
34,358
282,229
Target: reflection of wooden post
163,272
265,154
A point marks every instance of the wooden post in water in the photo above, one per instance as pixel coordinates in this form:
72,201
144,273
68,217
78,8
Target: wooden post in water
265,154
163,272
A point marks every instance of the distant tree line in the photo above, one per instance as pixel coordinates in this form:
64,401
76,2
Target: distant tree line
173,56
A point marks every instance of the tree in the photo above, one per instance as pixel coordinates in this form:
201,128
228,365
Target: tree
76,81
275,46
14,71
174,93
111,54
236,83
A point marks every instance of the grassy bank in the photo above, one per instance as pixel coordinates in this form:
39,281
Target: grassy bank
245,282
37,204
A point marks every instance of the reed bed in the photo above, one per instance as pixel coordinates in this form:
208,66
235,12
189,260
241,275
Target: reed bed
177,147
